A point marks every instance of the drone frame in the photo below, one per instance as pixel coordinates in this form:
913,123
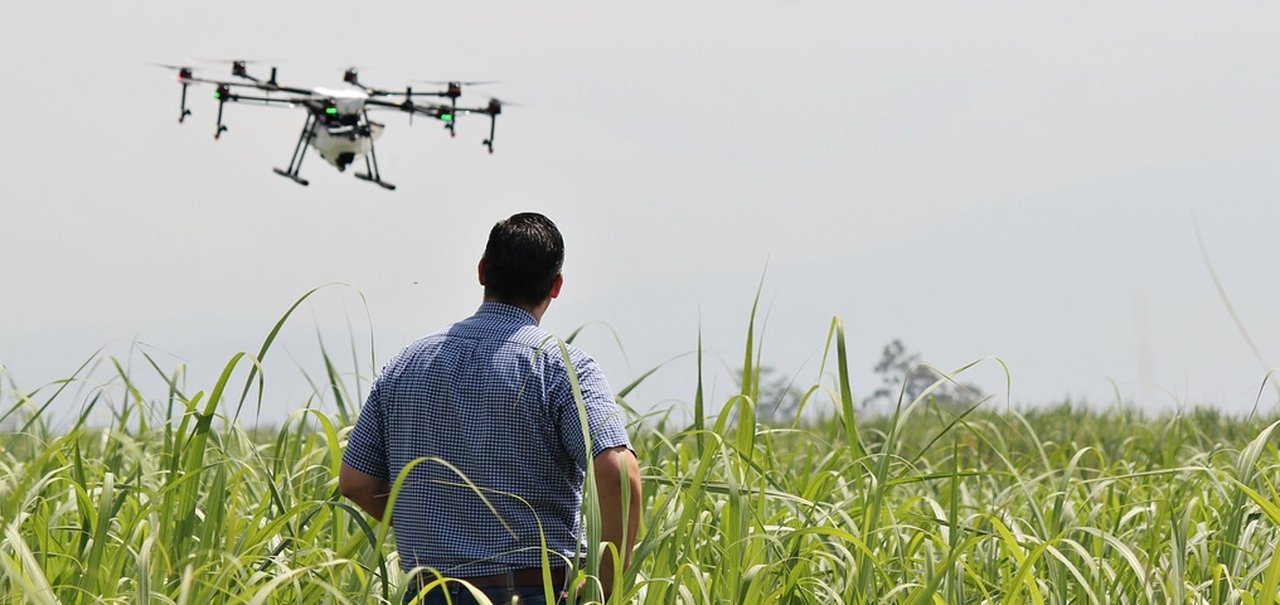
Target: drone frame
319,106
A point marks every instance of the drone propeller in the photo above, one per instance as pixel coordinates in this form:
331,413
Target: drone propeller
239,67
360,66
458,82
184,71
234,61
454,88
351,75
498,104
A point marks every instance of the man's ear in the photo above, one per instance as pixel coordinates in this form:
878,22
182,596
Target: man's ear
556,285
480,270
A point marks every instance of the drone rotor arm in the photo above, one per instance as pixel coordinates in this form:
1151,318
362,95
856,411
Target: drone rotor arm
493,110
288,90
380,104
410,108
230,95
379,92
270,101
477,110
225,96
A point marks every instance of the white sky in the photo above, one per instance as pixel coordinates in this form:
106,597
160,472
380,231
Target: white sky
979,178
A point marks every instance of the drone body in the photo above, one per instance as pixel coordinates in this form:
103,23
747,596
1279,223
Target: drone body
337,123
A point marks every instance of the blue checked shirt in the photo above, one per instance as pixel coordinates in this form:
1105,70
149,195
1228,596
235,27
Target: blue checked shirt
489,395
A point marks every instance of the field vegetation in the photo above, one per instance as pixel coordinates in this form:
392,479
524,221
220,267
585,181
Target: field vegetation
172,500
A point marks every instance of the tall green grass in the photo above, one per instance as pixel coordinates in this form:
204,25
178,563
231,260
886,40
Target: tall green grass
173,500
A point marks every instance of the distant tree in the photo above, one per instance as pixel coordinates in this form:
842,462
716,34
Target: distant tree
898,367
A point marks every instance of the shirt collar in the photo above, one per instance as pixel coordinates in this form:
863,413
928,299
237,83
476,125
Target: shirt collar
506,311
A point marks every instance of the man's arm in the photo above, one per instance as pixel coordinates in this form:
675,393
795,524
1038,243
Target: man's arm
368,492
611,466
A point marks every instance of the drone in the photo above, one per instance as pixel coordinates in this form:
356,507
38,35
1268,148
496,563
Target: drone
337,124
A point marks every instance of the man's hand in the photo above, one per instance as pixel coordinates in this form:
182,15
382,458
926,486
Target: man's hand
612,467
368,492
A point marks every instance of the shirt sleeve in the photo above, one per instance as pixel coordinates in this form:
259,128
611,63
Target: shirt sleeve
604,417
366,445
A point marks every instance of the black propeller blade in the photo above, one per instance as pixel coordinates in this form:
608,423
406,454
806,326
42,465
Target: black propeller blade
458,82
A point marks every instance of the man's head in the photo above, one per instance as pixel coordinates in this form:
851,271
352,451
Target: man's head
522,261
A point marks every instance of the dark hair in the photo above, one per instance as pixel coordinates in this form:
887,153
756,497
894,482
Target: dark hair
522,259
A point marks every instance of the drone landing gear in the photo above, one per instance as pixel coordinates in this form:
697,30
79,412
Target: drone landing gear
364,176
371,173
293,177
299,150
185,112
494,108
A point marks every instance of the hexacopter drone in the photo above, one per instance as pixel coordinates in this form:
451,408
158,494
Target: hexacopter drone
337,123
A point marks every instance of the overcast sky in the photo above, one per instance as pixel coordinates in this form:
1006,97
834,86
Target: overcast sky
1006,179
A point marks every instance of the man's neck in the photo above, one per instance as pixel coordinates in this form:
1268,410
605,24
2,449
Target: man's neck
536,311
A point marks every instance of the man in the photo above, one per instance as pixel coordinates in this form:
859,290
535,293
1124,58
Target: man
490,396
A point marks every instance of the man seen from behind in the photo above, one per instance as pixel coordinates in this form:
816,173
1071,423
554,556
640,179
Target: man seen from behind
490,396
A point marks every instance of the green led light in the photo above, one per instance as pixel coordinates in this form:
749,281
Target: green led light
331,110
217,95
448,117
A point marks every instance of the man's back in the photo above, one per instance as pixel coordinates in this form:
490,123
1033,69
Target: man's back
489,396
489,399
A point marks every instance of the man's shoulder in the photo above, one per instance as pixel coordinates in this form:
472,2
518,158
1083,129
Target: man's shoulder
530,340
421,343
559,359
395,366
552,350
531,337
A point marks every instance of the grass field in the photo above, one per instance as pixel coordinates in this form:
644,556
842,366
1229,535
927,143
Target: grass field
172,501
